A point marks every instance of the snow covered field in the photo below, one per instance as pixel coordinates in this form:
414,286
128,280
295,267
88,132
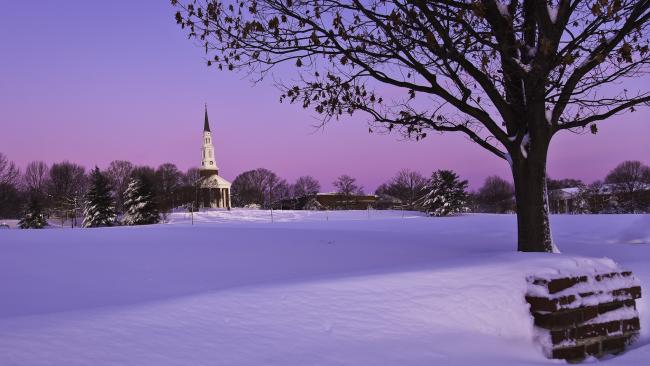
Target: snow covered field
311,288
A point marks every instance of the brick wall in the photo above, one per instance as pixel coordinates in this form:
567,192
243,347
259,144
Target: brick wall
581,316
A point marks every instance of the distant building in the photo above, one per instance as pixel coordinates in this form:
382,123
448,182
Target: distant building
564,200
606,198
213,190
328,201
388,202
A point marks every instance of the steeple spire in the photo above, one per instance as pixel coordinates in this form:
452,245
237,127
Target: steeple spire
208,162
206,125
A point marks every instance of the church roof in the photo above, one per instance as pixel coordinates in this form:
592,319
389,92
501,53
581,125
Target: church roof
214,181
206,124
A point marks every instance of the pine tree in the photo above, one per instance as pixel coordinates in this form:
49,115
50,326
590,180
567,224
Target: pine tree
99,209
139,205
445,194
33,217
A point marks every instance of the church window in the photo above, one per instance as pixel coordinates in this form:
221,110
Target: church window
210,162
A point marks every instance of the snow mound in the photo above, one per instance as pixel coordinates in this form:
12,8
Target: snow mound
311,288
638,232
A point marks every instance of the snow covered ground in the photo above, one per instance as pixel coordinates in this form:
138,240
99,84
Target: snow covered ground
309,288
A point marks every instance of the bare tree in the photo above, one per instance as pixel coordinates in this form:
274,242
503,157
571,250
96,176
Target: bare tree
191,177
168,178
508,74
67,186
36,175
278,189
629,176
168,181
346,185
406,186
119,175
630,179
305,186
260,186
10,197
9,173
190,182
248,187
147,175
563,183
11,201
496,195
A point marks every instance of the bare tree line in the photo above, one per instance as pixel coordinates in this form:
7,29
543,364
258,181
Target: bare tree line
61,188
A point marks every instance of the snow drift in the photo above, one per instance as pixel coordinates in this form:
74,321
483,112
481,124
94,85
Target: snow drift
317,288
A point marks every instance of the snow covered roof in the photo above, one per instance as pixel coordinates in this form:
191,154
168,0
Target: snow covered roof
607,188
565,193
214,181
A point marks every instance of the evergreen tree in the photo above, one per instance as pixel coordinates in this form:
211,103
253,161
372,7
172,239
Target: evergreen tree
445,194
139,205
99,209
33,217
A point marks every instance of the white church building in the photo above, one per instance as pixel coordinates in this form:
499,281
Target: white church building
213,190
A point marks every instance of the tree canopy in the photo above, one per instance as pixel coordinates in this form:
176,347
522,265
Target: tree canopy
488,63
508,74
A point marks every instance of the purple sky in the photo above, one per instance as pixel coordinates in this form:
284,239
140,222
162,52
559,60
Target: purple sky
95,81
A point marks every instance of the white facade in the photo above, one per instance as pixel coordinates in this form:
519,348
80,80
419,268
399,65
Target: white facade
208,162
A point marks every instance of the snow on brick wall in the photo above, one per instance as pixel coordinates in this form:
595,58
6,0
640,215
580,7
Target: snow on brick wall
585,315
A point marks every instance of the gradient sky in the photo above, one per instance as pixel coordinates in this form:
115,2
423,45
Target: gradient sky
95,81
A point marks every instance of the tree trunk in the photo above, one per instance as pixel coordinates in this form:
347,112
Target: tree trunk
529,173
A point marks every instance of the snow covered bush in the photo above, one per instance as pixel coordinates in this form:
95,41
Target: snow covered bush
582,200
140,207
33,217
445,194
99,209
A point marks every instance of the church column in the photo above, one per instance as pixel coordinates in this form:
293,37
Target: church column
223,198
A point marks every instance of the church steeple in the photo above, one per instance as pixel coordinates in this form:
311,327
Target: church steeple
208,163
213,191
206,124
